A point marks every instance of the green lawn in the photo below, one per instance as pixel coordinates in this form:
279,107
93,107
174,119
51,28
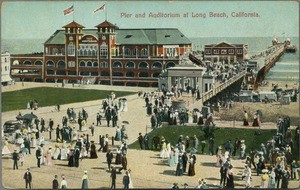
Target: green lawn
47,96
252,139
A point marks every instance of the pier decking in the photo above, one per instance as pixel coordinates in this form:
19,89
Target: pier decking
265,60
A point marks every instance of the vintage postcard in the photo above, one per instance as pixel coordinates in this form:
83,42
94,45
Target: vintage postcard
150,94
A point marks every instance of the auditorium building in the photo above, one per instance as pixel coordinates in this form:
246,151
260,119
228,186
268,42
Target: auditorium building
104,55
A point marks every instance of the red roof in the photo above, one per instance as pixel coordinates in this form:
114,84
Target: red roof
73,25
106,24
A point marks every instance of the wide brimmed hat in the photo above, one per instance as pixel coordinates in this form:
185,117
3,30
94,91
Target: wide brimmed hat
265,171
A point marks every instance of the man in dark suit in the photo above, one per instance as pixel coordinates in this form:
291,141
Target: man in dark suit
38,155
126,181
57,133
113,177
55,183
109,157
15,158
28,178
27,144
108,116
98,119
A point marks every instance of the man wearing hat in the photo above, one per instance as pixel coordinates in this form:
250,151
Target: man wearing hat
76,156
28,178
113,177
55,183
126,180
38,154
141,140
15,158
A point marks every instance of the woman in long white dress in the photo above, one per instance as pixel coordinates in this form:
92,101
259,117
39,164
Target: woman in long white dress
33,140
49,157
5,149
83,123
130,180
125,108
64,151
56,152
164,151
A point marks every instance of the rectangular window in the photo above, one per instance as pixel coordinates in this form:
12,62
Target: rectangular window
216,51
103,65
71,49
240,51
207,51
103,52
5,68
231,51
223,51
71,63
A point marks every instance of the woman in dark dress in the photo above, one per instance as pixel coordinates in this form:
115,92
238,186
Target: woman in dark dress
255,121
118,157
230,182
93,151
71,158
191,171
179,168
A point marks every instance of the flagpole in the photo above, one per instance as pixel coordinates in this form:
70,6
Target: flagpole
105,12
73,12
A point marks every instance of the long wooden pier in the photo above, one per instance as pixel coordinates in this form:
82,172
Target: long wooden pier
264,64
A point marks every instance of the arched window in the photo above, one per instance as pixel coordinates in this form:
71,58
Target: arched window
117,74
143,74
129,65
95,64
89,64
143,65
85,53
38,63
27,63
89,52
117,65
54,51
127,52
94,52
82,64
157,65
61,64
50,64
170,64
130,74
135,52
144,52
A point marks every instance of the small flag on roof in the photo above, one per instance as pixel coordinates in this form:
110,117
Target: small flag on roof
69,10
99,9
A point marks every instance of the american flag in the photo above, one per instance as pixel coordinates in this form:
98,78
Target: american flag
100,9
69,11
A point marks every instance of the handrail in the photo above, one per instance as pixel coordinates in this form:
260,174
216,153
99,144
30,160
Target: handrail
209,94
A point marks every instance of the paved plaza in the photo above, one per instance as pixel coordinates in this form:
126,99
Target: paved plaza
147,169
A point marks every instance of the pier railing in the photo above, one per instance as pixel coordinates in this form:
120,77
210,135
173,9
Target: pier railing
213,92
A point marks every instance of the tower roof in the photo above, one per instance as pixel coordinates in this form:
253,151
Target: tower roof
73,25
106,24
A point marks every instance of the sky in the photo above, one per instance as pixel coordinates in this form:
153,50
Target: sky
40,19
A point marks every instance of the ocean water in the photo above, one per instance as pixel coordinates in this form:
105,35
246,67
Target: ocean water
287,68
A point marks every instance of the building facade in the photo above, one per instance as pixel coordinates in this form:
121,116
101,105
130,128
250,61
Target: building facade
225,52
109,55
5,69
